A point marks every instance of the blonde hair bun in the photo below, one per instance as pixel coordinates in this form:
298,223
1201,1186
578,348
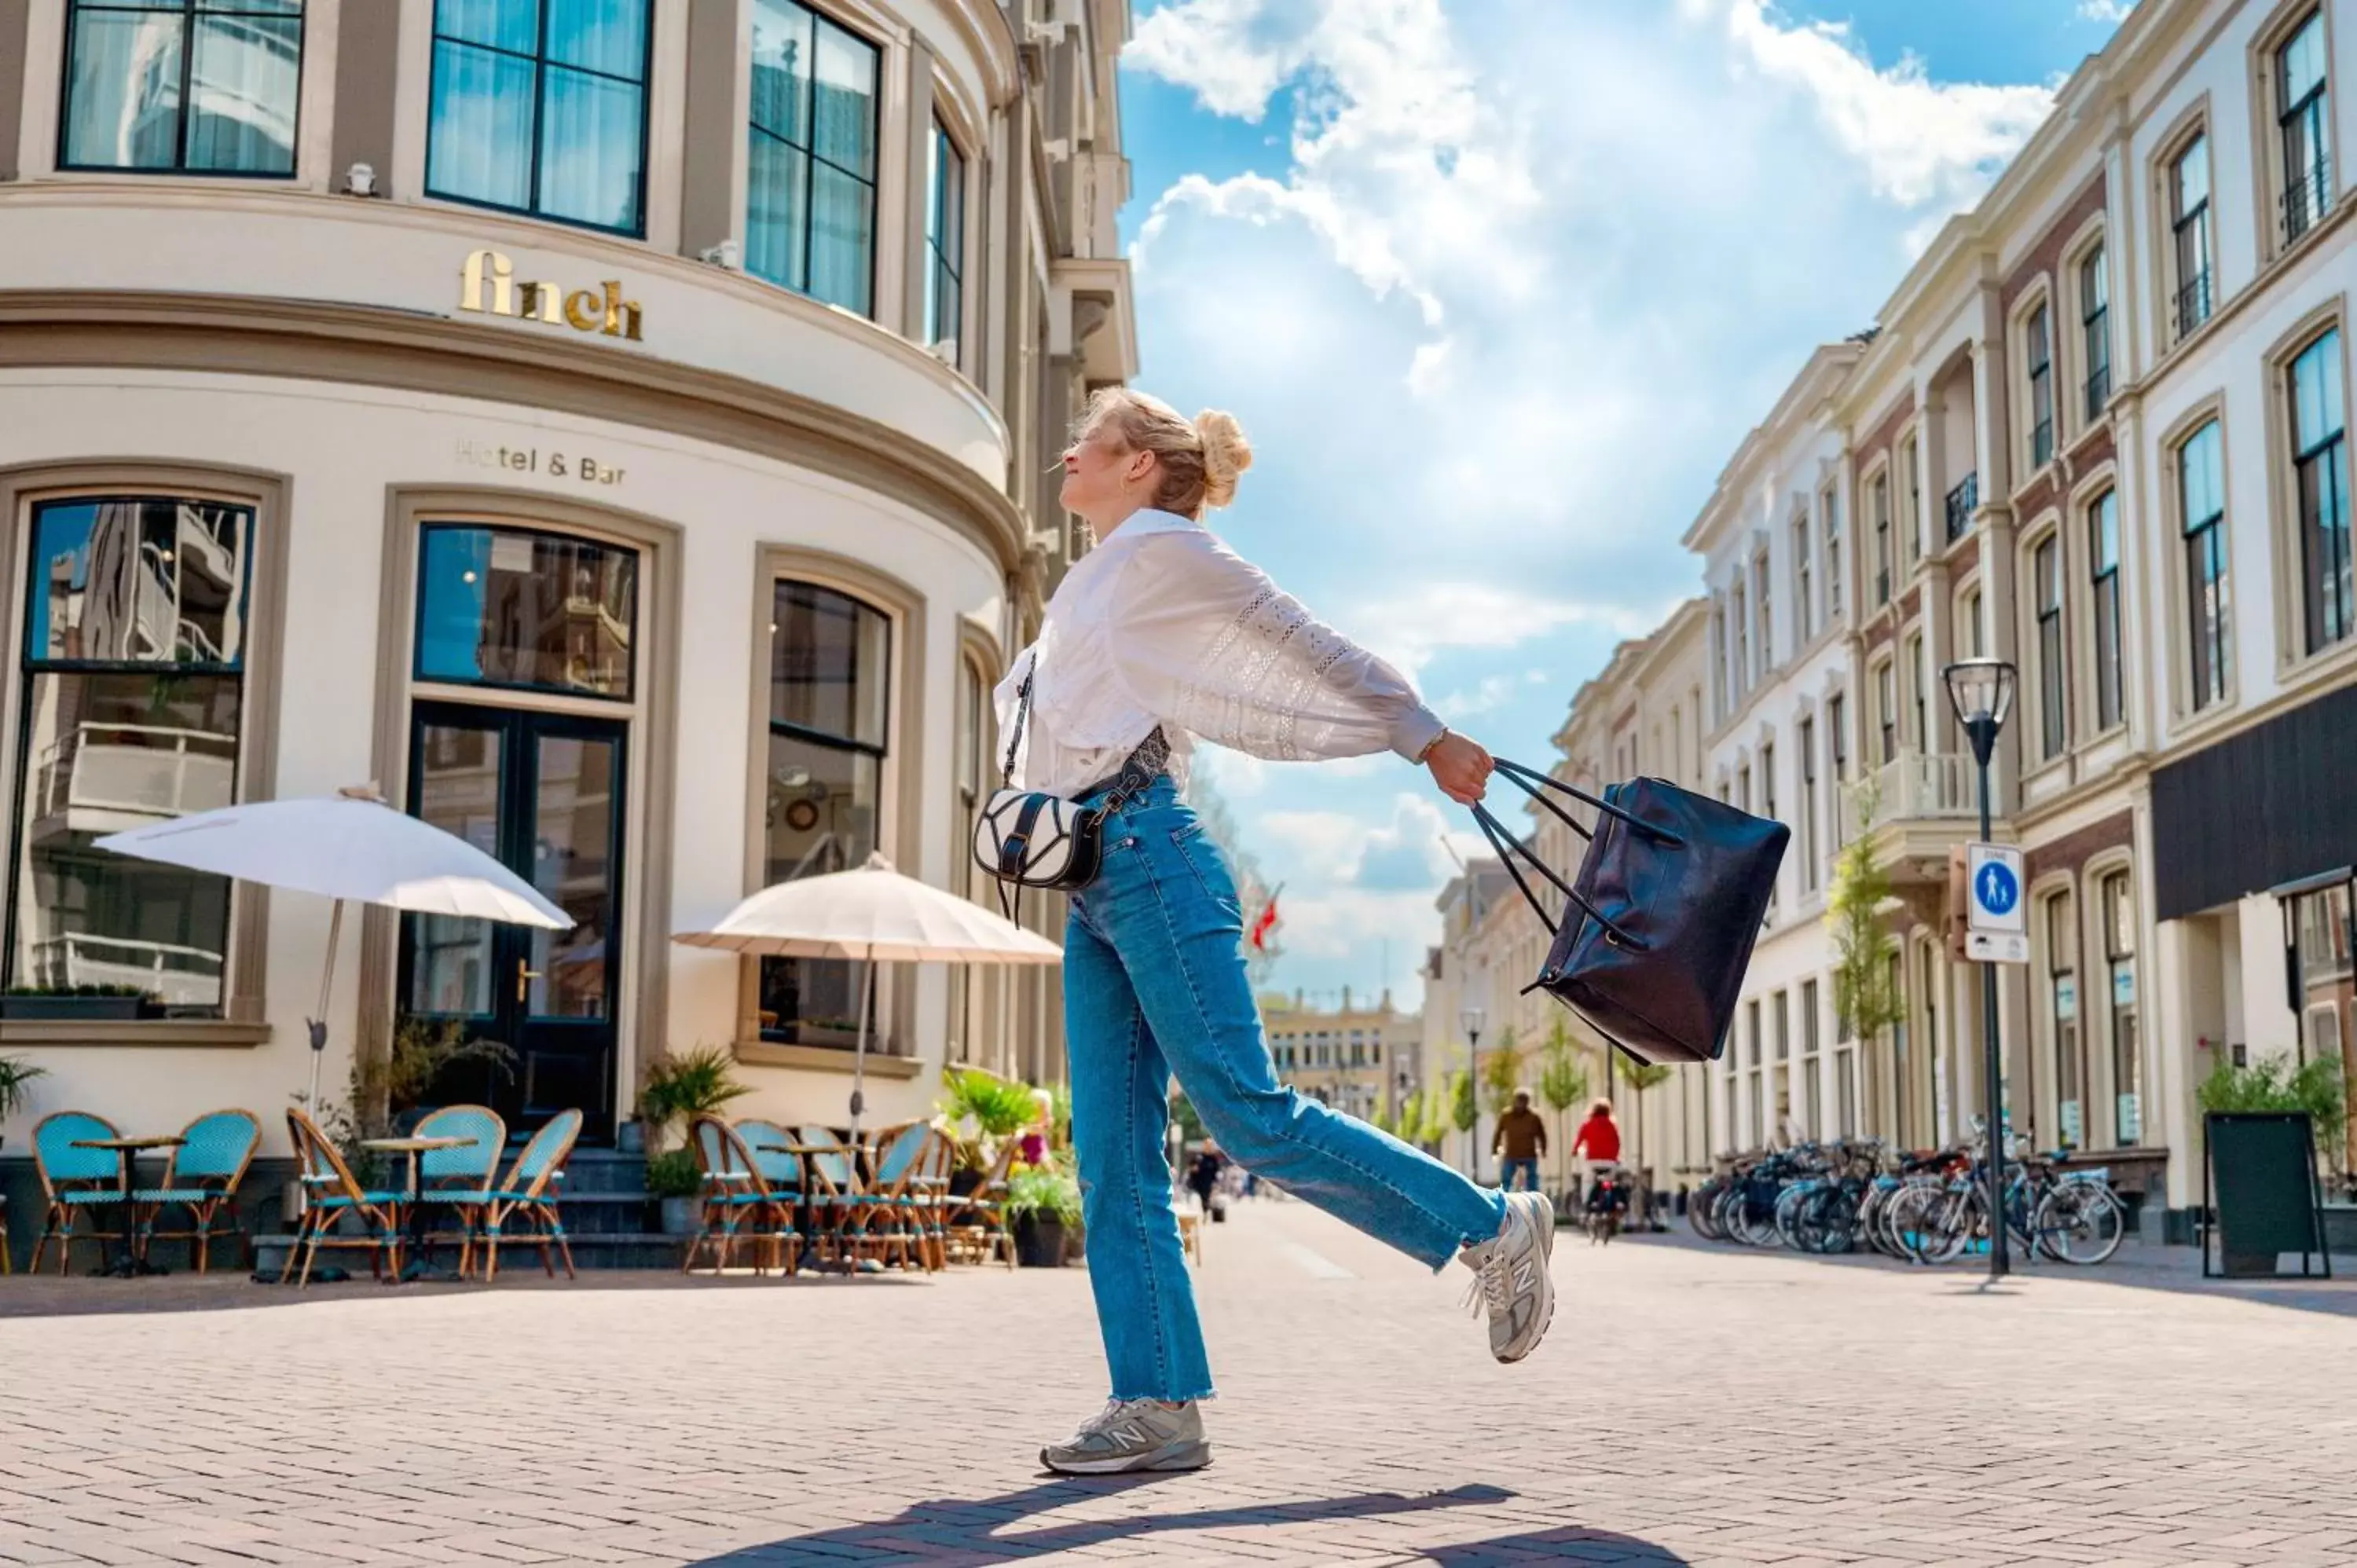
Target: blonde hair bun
1226,454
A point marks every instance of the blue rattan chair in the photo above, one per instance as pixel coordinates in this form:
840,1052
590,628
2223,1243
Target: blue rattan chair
736,1203
457,1180
75,1181
330,1193
529,1189
203,1177
838,1204
779,1162
898,1205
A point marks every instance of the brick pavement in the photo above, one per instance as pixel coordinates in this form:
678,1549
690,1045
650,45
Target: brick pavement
1694,1406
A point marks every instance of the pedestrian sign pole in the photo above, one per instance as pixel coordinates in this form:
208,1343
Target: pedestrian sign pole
1998,922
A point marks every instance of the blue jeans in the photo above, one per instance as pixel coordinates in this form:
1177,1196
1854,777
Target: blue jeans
1530,1169
1154,985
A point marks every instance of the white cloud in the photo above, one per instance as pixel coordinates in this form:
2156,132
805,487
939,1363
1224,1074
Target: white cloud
1406,857
1526,277
2106,10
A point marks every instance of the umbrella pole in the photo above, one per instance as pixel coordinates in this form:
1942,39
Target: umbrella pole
859,1047
319,1023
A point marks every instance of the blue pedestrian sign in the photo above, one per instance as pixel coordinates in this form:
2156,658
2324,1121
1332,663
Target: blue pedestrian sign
1997,926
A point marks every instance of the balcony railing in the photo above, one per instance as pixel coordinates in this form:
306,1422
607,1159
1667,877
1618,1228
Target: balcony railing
2192,302
175,975
1913,787
137,771
2305,201
1962,501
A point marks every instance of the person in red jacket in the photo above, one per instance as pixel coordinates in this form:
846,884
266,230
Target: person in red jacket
1598,1139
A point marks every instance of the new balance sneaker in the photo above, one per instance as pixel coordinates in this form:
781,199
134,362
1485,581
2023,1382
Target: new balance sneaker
1511,1281
1133,1435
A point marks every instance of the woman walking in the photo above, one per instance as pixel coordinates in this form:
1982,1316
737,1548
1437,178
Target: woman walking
1158,635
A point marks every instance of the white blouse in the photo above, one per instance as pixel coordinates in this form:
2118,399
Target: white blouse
1163,624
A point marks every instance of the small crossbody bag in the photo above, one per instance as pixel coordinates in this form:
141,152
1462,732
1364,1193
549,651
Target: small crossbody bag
1031,838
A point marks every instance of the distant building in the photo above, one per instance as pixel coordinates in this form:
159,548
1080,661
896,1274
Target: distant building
1363,1060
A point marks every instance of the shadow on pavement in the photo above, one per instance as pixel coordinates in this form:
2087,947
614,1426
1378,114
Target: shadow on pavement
82,1294
981,1530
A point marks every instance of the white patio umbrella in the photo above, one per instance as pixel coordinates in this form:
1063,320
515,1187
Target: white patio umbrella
876,916
350,848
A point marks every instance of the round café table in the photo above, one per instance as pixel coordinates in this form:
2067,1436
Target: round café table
416,1267
129,1260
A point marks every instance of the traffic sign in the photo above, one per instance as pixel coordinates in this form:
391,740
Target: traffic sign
1997,921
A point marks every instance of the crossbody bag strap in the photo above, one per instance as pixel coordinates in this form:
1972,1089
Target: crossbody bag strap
1022,713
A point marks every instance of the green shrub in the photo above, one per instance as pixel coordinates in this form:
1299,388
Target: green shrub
1043,1186
674,1174
2272,1083
15,1074
681,1087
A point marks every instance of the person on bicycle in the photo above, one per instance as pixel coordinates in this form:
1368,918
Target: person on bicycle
1598,1141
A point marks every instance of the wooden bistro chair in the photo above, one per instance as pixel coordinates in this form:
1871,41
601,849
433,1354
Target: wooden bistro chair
329,1192
74,1181
202,1178
976,1221
838,1203
932,1191
529,1190
736,1203
898,1205
779,1162
457,1180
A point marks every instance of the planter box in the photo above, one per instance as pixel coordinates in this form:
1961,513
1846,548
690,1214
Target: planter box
76,1009
1040,1241
2341,1229
682,1216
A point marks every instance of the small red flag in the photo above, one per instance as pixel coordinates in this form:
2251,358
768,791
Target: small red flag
1262,924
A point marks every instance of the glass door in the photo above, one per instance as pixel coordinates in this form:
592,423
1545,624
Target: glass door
542,793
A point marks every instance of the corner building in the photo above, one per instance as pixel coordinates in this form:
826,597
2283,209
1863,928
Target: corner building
620,432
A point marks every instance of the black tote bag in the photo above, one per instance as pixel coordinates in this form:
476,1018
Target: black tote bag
1654,943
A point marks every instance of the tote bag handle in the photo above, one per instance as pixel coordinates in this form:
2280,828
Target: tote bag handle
1531,782
1509,847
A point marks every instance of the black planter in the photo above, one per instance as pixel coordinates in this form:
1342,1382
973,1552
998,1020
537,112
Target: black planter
75,1009
1039,1240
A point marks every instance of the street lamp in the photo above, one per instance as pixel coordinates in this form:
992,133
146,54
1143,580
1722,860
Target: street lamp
1473,1018
1980,692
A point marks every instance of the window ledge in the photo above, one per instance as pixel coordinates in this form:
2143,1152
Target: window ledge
220,1033
823,1058
2301,670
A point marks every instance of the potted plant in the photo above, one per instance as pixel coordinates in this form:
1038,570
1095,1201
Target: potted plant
1041,1202
676,1179
76,1004
984,1109
15,1074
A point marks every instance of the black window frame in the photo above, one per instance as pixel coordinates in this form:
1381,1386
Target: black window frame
1805,584
810,157
2053,701
24,668
1885,700
946,154
879,752
2193,303
540,62
2306,195
188,12
469,525
2329,616
1806,738
2096,329
1880,494
2037,334
2208,644
2104,583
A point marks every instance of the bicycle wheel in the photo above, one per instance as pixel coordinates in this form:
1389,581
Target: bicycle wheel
2081,1223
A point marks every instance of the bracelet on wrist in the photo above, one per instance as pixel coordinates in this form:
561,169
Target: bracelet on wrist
1430,745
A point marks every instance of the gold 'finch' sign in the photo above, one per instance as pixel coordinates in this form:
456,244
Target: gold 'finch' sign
488,286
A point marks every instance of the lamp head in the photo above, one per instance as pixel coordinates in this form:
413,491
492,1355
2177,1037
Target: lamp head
1980,691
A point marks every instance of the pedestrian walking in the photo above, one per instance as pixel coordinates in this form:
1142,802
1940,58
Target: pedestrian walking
1522,1137
1160,635
1203,1175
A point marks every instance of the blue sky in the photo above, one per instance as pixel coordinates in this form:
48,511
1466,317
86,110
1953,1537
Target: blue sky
1496,287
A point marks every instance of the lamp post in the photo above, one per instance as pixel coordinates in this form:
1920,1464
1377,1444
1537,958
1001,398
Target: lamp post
1473,1018
1980,692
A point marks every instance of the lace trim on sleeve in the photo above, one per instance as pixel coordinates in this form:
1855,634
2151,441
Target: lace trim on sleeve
1267,662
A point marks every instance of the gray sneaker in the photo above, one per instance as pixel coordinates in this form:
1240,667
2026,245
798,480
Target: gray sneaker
1133,1435
1511,1279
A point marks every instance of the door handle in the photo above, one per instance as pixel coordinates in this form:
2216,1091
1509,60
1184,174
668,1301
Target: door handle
524,977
